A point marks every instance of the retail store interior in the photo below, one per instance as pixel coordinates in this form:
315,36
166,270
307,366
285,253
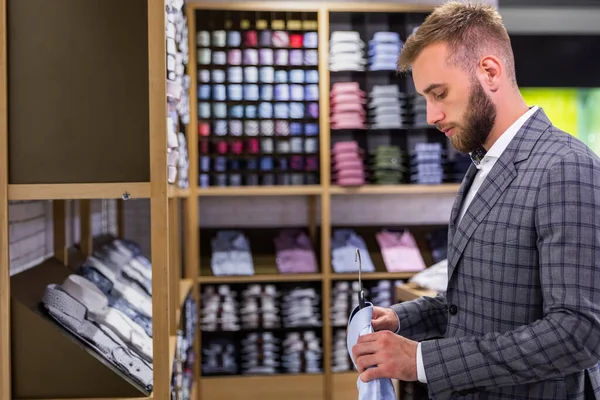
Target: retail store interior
206,171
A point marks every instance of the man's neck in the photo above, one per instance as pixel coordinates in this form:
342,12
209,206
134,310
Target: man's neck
507,112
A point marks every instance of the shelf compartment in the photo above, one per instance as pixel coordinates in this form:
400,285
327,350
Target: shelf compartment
292,387
408,189
265,271
411,291
83,118
64,367
307,190
135,190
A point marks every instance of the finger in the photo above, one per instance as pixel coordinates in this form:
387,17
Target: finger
378,323
371,374
362,349
369,337
367,361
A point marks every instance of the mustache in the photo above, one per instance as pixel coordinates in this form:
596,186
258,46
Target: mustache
444,127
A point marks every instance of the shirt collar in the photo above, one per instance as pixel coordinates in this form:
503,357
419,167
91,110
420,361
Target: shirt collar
501,144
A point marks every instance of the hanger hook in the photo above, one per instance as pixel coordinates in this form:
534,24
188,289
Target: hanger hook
358,259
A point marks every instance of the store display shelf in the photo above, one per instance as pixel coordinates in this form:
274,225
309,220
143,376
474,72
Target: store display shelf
292,387
411,291
63,191
372,276
306,190
175,192
194,390
185,285
410,189
265,270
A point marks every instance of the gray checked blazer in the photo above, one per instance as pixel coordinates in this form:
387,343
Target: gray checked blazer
520,318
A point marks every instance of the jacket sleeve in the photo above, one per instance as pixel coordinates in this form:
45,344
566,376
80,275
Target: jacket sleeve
567,339
422,318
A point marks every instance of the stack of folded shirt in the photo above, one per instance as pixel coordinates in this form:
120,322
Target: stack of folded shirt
460,165
385,107
340,360
347,164
427,164
302,353
343,300
387,166
419,111
382,294
219,357
344,243
400,251
294,252
347,106
231,254
384,49
219,309
260,354
438,243
300,308
259,307
346,51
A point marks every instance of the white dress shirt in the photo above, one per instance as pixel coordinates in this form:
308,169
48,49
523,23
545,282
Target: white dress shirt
484,167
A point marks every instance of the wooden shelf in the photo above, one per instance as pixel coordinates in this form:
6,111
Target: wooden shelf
185,285
194,390
410,291
366,276
446,188
172,349
175,192
292,387
136,190
305,190
265,270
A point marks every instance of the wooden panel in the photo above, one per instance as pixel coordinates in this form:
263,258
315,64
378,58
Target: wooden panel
85,227
304,190
5,353
278,387
78,91
59,230
79,191
396,189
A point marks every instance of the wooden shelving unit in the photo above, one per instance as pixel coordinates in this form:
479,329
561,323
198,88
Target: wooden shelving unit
85,118
321,198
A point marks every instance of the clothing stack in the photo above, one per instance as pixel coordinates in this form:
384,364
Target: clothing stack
427,164
382,293
108,306
387,166
343,300
347,106
347,164
346,51
259,307
219,356
300,308
340,360
385,107
231,254
460,166
344,243
302,353
384,50
400,251
419,111
219,309
260,354
294,253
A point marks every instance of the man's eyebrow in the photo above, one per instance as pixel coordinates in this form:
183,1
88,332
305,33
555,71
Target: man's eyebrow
433,86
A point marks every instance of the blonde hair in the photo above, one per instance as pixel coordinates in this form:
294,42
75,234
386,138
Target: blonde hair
469,29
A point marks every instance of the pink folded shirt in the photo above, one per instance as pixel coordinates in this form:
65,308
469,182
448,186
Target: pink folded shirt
400,252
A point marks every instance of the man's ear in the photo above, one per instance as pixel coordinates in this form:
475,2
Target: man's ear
490,70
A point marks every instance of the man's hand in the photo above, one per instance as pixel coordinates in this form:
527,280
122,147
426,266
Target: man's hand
384,319
390,356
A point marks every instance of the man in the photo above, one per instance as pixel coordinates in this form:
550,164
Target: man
520,318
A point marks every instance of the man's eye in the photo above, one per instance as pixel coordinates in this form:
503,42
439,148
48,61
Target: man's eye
441,95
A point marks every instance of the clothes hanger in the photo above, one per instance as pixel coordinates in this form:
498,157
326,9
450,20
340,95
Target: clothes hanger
361,294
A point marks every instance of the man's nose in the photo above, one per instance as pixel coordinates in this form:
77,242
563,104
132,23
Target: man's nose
434,114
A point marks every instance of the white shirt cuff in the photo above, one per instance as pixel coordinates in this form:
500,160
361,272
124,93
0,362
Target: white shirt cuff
420,367
397,330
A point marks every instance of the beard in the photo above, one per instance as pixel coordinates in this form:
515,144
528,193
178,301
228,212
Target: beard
478,121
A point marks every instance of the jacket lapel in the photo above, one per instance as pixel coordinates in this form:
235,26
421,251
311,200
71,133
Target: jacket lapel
460,197
498,179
